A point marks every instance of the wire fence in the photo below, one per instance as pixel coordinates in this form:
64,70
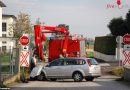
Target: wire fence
9,62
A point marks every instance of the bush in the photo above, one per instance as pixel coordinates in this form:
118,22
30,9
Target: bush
105,45
118,71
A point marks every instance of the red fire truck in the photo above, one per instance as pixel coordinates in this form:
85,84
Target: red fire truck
60,45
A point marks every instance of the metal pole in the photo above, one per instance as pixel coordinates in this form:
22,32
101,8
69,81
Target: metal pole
119,48
119,41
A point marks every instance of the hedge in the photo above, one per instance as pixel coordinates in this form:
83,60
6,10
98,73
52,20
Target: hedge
105,45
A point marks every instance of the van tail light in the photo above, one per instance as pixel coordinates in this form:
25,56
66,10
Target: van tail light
88,62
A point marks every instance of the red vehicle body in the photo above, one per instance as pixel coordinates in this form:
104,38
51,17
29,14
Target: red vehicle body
65,47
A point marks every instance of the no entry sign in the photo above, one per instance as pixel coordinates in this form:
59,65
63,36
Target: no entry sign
24,40
126,39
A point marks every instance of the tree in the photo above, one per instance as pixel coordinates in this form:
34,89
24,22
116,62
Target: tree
117,26
120,26
21,26
128,21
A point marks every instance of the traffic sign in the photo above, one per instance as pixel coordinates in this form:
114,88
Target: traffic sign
24,40
126,39
24,58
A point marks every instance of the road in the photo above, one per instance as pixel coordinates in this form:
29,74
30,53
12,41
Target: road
106,82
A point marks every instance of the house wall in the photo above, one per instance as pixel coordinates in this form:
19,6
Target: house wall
8,21
8,41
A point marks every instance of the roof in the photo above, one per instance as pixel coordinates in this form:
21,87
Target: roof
6,15
2,4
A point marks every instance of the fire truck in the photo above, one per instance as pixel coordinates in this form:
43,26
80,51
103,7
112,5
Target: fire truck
61,44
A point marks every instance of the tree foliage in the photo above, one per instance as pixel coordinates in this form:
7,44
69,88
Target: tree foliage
21,26
119,26
128,20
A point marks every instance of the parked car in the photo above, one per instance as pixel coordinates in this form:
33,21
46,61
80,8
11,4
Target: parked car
68,68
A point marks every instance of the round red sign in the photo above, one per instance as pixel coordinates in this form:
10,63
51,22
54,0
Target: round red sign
24,40
126,39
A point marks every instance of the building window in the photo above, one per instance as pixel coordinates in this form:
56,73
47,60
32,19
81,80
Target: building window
3,42
4,27
3,35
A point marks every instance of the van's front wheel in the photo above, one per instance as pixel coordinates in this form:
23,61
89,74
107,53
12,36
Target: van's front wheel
41,77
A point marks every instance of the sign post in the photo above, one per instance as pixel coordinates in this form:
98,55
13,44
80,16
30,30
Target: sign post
24,55
119,41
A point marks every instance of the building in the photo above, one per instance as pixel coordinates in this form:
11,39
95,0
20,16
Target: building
7,20
6,41
1,6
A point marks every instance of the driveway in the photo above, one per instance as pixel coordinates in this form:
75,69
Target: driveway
106,82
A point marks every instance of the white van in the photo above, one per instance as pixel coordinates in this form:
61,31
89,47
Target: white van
68,68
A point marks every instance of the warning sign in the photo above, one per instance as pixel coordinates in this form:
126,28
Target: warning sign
126,59
24,58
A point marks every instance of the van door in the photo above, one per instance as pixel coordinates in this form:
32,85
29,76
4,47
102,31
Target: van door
53,69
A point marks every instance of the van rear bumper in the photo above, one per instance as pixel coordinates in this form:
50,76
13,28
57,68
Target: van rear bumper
94,74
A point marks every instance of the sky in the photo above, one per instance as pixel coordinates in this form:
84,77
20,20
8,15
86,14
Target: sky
86,17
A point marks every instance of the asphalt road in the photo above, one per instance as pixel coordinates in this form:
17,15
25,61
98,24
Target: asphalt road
106,82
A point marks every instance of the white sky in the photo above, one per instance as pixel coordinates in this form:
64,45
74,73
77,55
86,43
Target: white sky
87,17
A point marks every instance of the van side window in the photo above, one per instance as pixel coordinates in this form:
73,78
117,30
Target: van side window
57,63
70,62
75,62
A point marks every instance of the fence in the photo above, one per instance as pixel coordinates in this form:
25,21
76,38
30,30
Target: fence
9,62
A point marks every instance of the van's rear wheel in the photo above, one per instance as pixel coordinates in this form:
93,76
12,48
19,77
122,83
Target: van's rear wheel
77,76
89,78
